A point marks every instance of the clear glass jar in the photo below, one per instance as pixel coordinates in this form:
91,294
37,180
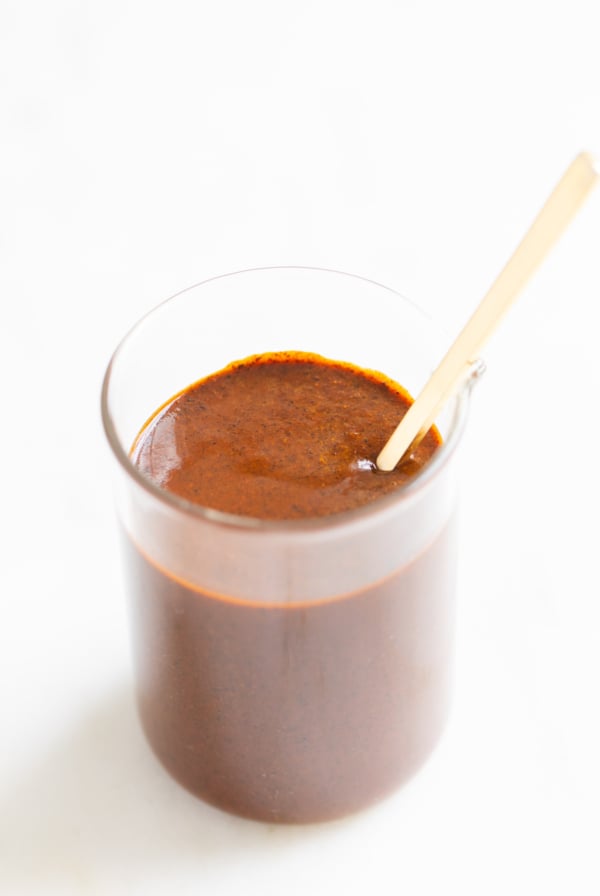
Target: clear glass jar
286,671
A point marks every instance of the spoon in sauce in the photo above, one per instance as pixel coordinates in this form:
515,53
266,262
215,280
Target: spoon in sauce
456,366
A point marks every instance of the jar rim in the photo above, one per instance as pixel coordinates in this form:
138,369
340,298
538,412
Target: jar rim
379,506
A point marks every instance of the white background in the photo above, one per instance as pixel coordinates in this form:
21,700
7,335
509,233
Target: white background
145,146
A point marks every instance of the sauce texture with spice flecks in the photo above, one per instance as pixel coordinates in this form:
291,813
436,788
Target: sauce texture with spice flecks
285,435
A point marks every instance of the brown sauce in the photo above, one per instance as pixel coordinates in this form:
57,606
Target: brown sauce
279,436
299,712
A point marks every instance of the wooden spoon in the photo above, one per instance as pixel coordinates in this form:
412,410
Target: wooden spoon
558,211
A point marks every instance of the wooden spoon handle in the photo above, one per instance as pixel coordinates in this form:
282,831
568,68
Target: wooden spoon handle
560,207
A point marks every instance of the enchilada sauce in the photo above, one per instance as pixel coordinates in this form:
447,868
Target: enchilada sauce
298,712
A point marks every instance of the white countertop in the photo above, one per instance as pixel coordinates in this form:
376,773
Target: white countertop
149,146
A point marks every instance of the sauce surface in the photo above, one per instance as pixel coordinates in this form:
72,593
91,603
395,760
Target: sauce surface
284,435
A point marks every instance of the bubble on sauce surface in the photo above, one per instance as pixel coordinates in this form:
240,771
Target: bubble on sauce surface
363,464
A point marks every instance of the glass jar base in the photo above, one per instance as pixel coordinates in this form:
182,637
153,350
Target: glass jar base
254,801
